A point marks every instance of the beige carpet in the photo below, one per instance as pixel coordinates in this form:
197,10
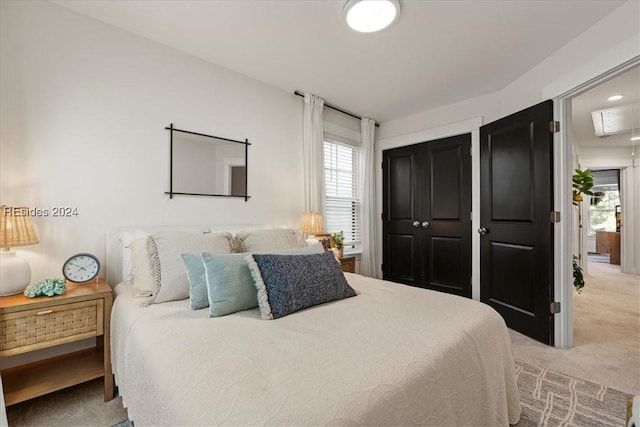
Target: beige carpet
606,333
82,405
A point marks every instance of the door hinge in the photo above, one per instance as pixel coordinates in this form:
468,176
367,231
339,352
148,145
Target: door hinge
471,151
554,126
555,217
381,267
554,307
471,216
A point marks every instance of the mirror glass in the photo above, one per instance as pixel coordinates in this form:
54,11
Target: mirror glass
208,166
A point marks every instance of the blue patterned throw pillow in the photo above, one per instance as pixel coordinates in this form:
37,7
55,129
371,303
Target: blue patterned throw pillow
288,283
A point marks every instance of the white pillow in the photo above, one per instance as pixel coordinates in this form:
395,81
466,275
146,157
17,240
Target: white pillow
165,251
270,239
128,236
126,239
142,274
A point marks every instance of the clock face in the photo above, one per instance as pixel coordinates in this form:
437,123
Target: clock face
81,268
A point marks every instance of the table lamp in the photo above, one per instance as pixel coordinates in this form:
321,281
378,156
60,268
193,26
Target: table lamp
313,226
16,229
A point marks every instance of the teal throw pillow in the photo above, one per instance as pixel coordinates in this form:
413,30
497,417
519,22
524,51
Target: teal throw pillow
198,295
229,284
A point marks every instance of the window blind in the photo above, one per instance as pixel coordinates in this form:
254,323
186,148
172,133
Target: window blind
342,192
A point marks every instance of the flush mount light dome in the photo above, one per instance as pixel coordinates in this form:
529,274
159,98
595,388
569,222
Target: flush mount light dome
368,16
615,97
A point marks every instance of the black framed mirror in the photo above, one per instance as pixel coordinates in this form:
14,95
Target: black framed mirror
207,165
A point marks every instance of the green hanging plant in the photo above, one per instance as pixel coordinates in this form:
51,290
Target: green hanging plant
582,183
578,278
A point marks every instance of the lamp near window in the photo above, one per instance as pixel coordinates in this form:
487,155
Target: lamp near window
16,229
313,226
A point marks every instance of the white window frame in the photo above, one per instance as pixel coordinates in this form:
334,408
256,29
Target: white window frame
333,222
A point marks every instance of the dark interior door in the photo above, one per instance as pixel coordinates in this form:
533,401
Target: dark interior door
516,199
427,215
447,209
402,235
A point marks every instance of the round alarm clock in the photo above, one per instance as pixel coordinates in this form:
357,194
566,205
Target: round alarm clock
81,268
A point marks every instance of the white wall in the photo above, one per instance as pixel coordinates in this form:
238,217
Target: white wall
83,110
605,157
630,221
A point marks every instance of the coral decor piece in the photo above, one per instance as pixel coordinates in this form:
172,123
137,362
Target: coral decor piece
48,287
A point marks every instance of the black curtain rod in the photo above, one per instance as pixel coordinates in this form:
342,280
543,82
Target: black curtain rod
333,107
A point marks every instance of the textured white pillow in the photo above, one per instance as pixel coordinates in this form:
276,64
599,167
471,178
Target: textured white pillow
165,251
142,274
269,239
126,238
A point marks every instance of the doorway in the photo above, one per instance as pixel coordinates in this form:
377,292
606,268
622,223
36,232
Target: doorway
602,129
601,219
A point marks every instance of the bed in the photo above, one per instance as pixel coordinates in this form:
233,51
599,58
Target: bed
391,355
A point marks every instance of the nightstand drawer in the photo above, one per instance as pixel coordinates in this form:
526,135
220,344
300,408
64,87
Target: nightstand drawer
348,264
29,330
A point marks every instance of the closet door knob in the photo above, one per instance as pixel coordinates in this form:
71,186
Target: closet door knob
483,230
416,224
426,224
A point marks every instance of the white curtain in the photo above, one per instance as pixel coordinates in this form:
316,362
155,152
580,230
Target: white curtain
369,263
313,155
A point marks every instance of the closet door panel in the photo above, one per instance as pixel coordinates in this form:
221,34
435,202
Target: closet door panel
402,240
447,209
427,215
445,269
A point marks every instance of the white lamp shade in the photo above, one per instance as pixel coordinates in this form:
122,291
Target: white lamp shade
15,274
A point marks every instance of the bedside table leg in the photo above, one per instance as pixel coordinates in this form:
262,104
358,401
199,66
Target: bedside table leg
108,374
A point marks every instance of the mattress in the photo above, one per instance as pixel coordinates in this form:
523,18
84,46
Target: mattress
392,355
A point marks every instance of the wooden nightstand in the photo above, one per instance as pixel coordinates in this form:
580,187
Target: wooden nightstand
348,264
28,324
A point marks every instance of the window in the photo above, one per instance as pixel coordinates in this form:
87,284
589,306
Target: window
342,192
604,202
602,212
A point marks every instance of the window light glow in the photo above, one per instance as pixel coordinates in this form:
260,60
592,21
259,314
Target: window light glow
615,97
368,16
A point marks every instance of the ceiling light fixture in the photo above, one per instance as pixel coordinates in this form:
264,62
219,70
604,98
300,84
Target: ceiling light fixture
635,138
369,16
615,97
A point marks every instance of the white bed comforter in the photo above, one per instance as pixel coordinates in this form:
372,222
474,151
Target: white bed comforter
393,355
